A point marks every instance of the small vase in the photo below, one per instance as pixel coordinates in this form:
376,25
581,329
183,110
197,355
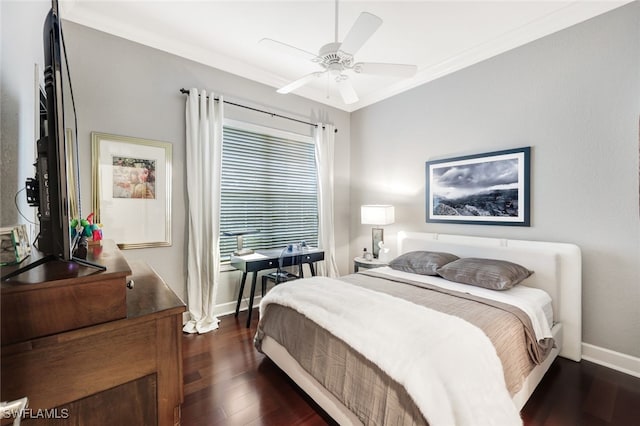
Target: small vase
367,255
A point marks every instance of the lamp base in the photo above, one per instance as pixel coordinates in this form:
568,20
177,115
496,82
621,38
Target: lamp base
242,252
377,235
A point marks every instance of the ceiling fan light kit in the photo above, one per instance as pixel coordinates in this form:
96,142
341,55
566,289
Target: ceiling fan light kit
336,58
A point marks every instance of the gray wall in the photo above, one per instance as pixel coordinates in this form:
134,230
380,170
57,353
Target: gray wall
129,89
574,97
20,50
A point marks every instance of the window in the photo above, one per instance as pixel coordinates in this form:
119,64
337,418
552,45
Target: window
269,183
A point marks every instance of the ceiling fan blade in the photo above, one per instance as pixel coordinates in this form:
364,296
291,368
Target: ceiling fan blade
362,29
300,82
398,70
278,46
348,93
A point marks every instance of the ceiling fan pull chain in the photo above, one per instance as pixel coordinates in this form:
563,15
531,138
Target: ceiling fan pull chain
327,93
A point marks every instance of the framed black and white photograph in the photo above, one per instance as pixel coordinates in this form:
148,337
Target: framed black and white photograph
132,190
487,189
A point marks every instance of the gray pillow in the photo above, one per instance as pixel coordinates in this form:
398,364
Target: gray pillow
488,273
422,262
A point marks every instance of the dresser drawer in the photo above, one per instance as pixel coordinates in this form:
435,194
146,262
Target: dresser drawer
271,260
312,257
259,265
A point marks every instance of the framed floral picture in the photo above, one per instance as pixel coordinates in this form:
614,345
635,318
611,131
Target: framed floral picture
132,189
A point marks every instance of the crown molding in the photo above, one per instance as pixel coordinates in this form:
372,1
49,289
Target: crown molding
569,15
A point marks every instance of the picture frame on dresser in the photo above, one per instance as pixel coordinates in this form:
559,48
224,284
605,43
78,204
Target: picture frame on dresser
491,188
132,189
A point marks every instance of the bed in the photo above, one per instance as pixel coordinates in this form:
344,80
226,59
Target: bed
343,341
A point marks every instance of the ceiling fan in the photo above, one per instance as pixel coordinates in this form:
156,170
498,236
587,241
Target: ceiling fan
336,58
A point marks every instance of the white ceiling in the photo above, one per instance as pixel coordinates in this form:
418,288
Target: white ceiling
439,37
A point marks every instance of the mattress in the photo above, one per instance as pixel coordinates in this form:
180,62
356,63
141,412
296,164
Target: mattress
361,385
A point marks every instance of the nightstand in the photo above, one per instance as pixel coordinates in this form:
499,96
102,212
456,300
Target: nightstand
361,262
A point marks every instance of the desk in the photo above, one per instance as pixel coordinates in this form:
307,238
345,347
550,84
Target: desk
268,259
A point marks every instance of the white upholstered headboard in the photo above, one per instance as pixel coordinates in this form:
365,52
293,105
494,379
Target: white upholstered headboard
557,270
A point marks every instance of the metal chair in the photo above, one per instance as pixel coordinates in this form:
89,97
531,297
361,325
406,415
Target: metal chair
290,256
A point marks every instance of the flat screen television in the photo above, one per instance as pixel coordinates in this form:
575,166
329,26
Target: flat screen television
54,181
51,165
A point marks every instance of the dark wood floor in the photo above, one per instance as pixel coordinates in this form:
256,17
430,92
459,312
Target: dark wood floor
227,382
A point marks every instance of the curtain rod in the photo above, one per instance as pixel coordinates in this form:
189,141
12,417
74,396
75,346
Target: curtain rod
186,92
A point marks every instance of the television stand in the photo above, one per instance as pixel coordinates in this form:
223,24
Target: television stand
81,343
88,263
51,258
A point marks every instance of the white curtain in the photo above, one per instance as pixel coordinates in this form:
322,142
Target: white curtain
203,161
324,142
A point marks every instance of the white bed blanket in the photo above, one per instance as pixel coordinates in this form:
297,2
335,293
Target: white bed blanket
447,365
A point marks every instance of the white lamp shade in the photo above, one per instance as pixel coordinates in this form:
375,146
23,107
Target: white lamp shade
377,214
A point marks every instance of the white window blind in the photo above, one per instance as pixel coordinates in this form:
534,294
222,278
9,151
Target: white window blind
269,184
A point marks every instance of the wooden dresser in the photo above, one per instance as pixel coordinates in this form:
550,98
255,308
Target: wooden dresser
88,351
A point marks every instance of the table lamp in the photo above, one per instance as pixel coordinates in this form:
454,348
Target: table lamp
376,214
239,239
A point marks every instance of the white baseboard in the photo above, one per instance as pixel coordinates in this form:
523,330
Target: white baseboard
615,360
230,307
227,308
